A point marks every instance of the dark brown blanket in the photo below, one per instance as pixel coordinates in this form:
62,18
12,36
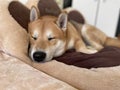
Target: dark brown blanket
109,56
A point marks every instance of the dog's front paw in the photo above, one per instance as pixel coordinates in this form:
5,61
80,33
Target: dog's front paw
92,51
87,51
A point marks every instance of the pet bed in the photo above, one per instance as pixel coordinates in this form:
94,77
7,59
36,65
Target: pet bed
14,45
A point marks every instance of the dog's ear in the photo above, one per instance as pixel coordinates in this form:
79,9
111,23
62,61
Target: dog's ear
34,15
62,21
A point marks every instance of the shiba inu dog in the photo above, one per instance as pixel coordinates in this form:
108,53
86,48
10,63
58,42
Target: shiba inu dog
51,36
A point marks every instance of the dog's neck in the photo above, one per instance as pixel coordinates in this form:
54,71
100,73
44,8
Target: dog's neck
71,35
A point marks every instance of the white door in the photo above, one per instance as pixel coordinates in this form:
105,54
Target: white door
88,8
108,16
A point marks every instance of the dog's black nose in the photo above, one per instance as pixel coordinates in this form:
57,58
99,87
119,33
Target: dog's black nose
39,56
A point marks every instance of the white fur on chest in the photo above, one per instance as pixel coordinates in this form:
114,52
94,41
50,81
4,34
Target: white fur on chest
59,49
70,44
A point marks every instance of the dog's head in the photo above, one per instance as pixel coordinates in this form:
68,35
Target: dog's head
47,36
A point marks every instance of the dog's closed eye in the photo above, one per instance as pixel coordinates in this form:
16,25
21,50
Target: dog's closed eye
35,38
51,38
35,35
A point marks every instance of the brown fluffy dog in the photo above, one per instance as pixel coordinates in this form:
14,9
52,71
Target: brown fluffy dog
51,37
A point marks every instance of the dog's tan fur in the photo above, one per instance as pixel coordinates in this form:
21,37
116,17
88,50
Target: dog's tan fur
54,36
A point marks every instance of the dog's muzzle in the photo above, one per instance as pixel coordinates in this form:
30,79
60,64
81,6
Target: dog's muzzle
39,56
